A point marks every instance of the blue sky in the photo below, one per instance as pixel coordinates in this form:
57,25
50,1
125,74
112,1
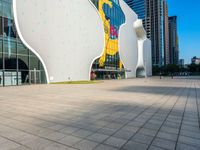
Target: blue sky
188,13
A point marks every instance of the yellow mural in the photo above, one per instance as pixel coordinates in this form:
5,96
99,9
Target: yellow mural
111,45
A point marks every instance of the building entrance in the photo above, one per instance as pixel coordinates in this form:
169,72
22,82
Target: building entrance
35,76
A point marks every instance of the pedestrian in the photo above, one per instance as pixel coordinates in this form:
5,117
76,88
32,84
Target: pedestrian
160,75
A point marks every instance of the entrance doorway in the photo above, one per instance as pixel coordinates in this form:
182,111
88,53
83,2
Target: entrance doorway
35,76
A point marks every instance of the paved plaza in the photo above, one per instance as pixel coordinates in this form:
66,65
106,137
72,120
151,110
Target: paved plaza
135,114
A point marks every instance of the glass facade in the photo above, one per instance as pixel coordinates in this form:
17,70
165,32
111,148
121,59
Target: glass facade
138,6
109,65
18,65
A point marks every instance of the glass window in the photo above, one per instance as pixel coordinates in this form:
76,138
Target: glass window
10,78
1,55
9,46
1,45
43,77
34,63
1,61
1,8
10,61
23,62
7,10
23,77
1,26
22,50
9,28
1,78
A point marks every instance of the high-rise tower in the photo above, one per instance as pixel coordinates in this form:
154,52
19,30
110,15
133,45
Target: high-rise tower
173,40
152,13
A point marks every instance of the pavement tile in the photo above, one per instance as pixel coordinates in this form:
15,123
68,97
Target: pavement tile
56,146
181,146
170,145
123,134
107,131
85,145
149,132
190,134
141,138
167,136
115,142
190,128
134,146
21,147
69,130
8,145
55,136
156,148
152,126
82,133
57,127
131,129
2,140
189,140
39,143
105,147
170,130
70,140
97,137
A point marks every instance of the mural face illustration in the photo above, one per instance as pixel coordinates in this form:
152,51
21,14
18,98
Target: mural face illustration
112,17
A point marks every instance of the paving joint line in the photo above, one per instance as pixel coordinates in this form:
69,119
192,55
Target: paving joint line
188,94
155,101
166,118
146,122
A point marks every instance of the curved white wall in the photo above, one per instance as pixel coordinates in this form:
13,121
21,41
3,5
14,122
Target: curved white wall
144,65
67,35
147,57
128,46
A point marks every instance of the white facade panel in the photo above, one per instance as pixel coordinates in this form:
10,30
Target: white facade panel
128,46
67,35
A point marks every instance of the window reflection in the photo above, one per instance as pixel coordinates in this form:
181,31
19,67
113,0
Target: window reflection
18,66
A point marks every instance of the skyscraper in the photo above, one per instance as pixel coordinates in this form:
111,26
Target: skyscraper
173,40
166,34
152,13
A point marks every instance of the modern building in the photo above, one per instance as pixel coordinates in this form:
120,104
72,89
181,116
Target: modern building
166,34
18,64
173,41
181,63
152,12
71,42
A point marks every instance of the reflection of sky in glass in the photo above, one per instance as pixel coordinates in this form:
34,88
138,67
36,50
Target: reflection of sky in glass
9,35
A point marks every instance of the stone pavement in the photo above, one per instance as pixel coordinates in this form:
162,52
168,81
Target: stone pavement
135,114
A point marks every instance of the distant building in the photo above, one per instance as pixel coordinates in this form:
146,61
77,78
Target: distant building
152,12
173,41
195,60
181,62
166,34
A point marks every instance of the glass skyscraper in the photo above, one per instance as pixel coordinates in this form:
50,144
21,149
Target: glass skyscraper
173,40
138,6
18,65
152,14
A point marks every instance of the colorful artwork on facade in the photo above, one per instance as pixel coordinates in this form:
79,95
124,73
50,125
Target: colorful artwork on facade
112,17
